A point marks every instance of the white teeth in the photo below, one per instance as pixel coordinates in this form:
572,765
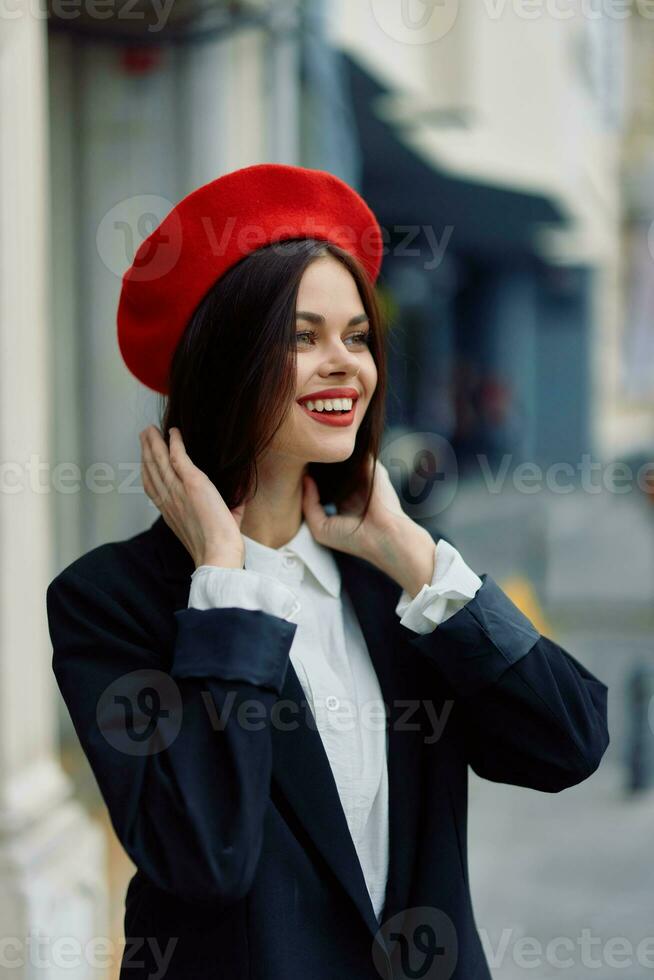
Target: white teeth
330,404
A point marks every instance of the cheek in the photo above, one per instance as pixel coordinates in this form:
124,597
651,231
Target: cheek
306,369
369,373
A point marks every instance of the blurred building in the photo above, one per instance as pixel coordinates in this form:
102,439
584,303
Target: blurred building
634,421
110,114
492,151
145,106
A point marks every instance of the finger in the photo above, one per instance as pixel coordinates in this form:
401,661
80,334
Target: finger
179,458
153,492
154,496
151,484
161,456
151,465
158,458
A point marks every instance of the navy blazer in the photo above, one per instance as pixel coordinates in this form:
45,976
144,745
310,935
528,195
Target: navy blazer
196,727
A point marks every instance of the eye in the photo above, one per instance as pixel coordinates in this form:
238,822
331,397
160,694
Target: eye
363,337
305,333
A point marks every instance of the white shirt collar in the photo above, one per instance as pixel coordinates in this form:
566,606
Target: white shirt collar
316,557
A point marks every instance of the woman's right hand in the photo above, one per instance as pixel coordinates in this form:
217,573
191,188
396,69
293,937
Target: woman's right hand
189,502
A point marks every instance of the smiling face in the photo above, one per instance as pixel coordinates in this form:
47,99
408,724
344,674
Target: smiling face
332,353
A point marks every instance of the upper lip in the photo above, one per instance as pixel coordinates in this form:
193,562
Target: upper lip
330,393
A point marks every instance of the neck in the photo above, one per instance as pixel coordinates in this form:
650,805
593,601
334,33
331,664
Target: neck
274,515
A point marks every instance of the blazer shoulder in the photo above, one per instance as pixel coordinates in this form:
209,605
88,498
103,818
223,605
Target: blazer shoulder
113,568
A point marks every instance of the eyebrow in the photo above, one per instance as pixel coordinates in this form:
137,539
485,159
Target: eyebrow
318,318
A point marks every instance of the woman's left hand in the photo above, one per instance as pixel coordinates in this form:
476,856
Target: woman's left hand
387,537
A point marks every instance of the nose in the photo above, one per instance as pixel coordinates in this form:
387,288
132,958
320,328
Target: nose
340,360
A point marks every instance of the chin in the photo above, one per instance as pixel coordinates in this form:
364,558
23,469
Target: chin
331,454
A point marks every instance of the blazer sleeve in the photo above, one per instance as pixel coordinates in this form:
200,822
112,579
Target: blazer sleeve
181,752
532,715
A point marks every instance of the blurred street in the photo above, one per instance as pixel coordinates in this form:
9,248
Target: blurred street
546,866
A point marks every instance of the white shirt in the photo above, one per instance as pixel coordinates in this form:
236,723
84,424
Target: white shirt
301,582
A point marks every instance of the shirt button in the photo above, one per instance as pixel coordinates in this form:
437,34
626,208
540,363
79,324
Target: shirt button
289,561
332,702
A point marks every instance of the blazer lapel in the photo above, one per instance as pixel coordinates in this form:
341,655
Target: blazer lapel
300,767
374,597
302,772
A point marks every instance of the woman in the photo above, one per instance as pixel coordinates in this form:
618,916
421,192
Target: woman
281,683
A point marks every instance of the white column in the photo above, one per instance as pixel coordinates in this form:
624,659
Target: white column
52,859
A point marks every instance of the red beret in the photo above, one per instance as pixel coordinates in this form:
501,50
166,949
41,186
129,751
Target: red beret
210,230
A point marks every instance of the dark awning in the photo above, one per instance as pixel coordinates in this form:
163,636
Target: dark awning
402,188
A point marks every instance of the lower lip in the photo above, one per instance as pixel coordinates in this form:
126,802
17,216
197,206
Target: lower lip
328,418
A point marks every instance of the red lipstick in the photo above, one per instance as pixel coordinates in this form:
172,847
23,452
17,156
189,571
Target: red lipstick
331,418
329,393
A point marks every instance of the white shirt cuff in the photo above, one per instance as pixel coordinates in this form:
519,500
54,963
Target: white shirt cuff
215,587
453,584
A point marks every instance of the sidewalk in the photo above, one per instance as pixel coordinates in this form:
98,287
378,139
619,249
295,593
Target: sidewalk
548,866
553,865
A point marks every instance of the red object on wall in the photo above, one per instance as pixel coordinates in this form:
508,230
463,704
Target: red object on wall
140,61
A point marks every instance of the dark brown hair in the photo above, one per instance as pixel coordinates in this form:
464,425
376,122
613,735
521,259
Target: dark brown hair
233,375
